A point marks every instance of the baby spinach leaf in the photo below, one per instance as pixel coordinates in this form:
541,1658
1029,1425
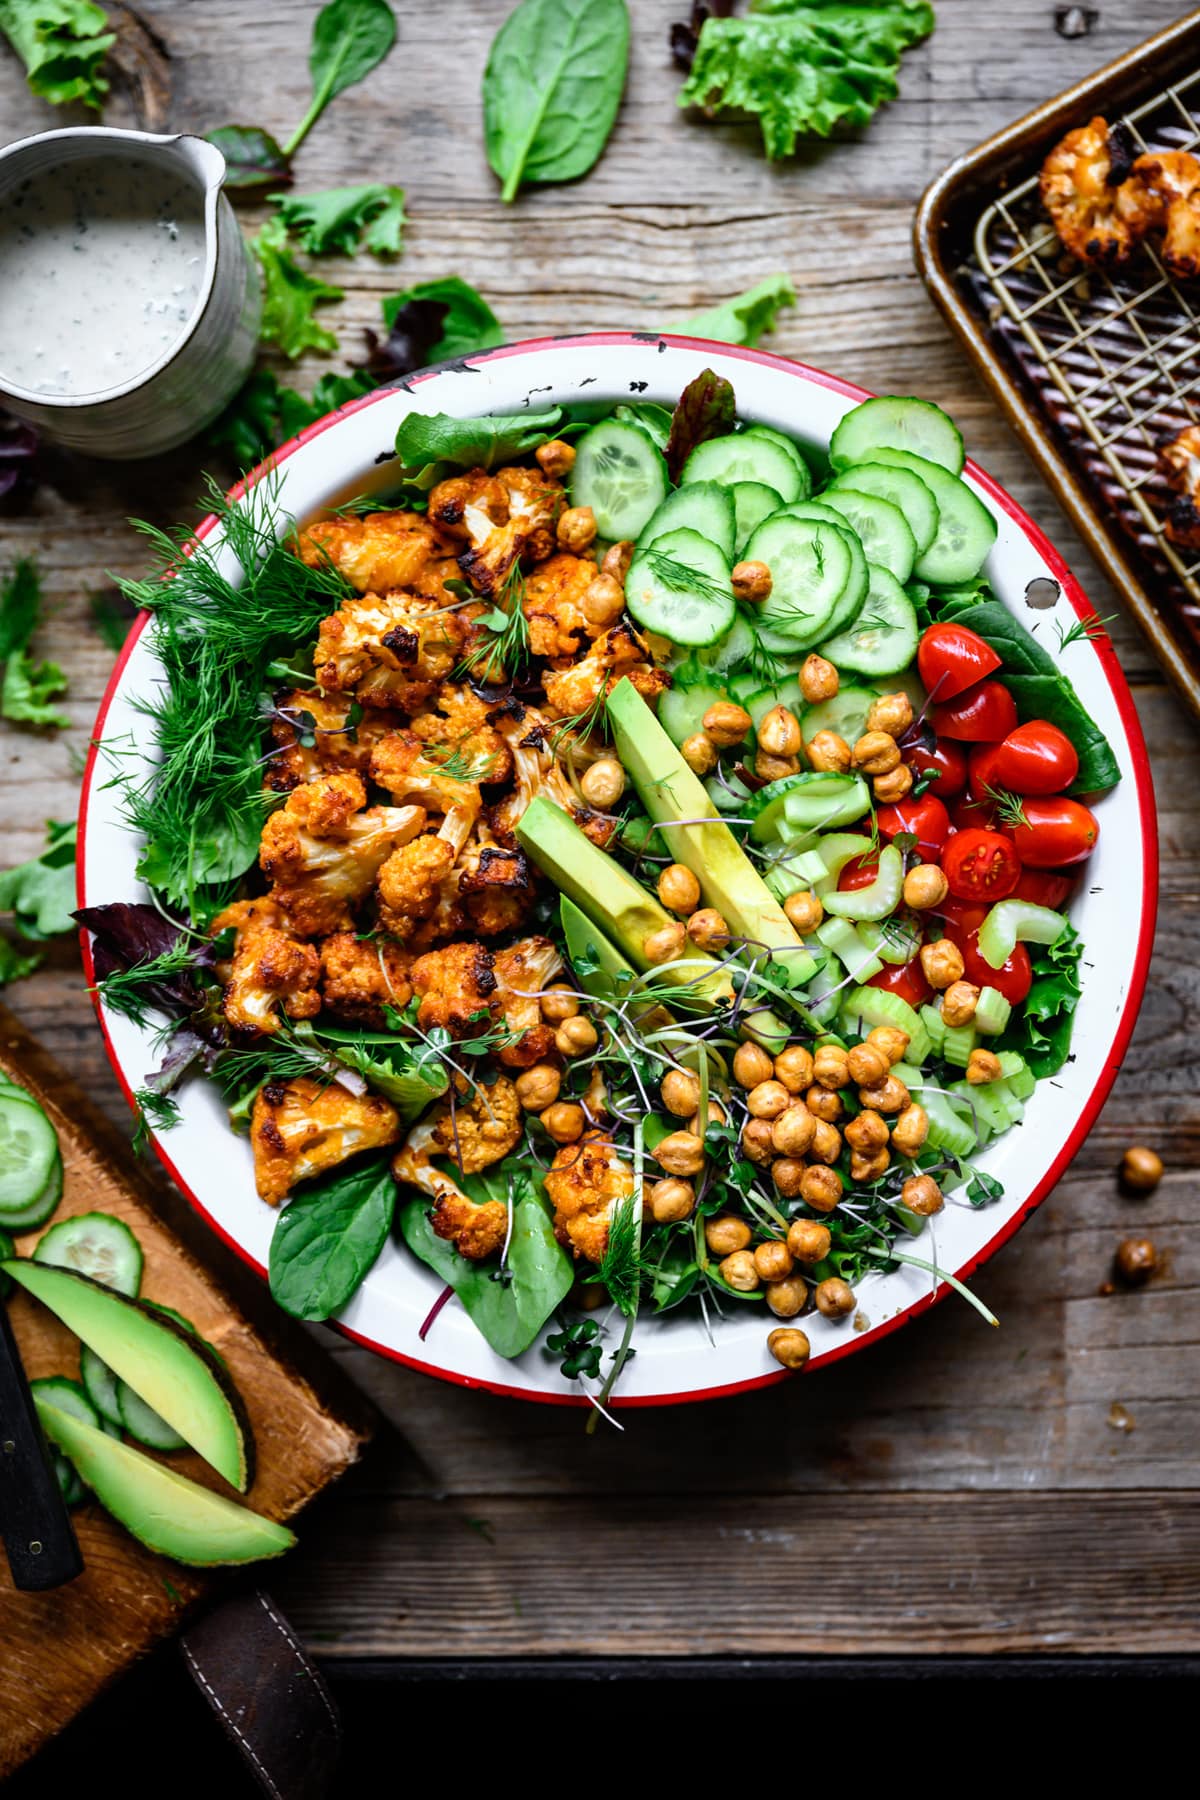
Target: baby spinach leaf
333,222
551,89
329,1236
350,38
40,893
253,159
425,442
705,409
290,296
510,1313
63,44
745,318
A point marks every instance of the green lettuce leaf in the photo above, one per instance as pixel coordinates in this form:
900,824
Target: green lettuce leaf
40,893
62,44
403,1072
27,687
333,223
803,70
290,296
745,318
1042,1031
427,442
468,322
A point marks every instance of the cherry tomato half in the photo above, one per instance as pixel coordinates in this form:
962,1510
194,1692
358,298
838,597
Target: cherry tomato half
858,873
1057,833
984,714
906,979
947,763
982,773
926,818
952,658
1044,887
1014,980
1036,758
981,865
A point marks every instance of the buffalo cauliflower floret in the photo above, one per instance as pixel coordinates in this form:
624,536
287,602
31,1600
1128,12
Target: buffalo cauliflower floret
320,719
495,888
298,1129
506,518
455,984
323,850
621,651
1180,462
553,605
389,650
458,724
399,764
360,976
585,1183
478,1132
534,741
382,550
522,973
475,1229
410,882
269,968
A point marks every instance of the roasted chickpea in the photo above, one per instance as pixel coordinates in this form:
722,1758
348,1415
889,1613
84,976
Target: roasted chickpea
680,1092
672,1200
716,1116
887,1096
767,1100
925,886
922,1195
789,1347
867,1132
1141,1169
808,1241
751,1064
910,1130
942,963
834,1298
1136,1260
959,1002
804,912
775,768
664,945
891,1040
575,1037
893,786
830,1067
678,889
821,1188
818,679
538,1087
603,784
829,753
576,529
787,1297
826,1146
792,1132
707,929
564,1121
773,1260
558,1003
867,1064
869,1165
682,1153
604,601
891,713
788,1174
699,753
617,559
727,724
824,1103
779,733
726,1234
751,582
757,1143
794,1067
739,1271
875,753
983,1066
556,459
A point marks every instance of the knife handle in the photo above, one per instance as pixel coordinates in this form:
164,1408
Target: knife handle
35,1525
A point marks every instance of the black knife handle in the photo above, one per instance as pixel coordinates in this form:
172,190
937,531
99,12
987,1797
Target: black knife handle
35,1525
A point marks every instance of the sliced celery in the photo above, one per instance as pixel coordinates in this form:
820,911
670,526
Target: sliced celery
958,1041
992,1011
878,900
840,936
1017,921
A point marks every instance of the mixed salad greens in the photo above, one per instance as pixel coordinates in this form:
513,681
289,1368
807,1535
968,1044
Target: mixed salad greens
794,818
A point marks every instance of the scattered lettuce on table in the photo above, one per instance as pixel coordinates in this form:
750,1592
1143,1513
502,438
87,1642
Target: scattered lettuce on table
63,44
745,318
290,296
337,221
27,687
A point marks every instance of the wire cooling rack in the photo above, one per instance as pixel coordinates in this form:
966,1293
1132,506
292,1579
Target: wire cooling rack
1114,356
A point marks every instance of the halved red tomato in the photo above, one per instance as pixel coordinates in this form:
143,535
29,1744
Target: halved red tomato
981,865
926,818
1056,832
1014,980
860,872
1044,887
983,714
981,770
951,658
1036,758
963,916
905,979
945,762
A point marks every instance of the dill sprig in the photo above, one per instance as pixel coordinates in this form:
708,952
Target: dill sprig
1009,808
459,764
681,579
1093,629
155,1112
130,991
507,642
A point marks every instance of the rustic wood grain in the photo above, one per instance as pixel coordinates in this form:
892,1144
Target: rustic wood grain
966,1489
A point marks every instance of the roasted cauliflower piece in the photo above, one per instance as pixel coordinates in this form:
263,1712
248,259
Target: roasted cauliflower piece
574,689
1180,462
1166,187
360,976
506,518
533,740
323,849
455,984
389,650
476,1230
410,883
522,972
495,889
474,1133
298,1129
458,724
269,968
1083,183
334,746
585,1183
382,550
553,605
399,764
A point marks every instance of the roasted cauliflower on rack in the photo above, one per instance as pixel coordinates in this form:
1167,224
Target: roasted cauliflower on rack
1180,462
1082,184
323,849
269,968
585,1183
299,1128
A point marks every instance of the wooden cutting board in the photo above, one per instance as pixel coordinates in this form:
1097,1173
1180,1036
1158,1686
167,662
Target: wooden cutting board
58,1650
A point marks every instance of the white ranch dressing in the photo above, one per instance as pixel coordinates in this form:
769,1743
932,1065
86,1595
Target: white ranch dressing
101,266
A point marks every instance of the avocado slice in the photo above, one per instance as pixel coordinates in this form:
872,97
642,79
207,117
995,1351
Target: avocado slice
599,966
610,897
159,1506
670,791
178,1375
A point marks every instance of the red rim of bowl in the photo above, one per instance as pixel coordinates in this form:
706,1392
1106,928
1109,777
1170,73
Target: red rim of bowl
1142,781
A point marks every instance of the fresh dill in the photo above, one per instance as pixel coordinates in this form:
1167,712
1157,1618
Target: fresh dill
130,991
681,579
620,1268
460,764
581,725
155,1112
1009,808
507,642
1092,629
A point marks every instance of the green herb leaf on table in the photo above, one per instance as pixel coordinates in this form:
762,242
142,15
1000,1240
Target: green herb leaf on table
552,87
264,414
40,893
13,965
27,688
111,615
745,318
705,409
426,442
290,296
464,321
253,159
63,44
338,221
802,70
350,38
20,605
328,1237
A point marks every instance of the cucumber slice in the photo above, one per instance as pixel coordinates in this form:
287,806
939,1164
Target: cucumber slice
898,423
753,501
621,475
729,795
883,638
95,1244
28,1153
743,456
850,603
679,587
816,800
880,528
67,1395
681,710
1017,921
845,715
992,1011
759,702
790,449
705,507
100,1385
732,649
966,529
144,1424
812,569
903,489
881,898
867,1006
27,1218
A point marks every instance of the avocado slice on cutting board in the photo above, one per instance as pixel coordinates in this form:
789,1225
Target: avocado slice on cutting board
159,1506
173,1372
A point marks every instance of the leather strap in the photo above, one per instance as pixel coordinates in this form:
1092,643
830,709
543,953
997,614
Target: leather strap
271,1701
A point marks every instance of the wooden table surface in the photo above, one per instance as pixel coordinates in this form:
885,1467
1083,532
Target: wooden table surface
956,1489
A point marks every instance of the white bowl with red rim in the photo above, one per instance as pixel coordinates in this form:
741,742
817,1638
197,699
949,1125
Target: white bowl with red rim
346,455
